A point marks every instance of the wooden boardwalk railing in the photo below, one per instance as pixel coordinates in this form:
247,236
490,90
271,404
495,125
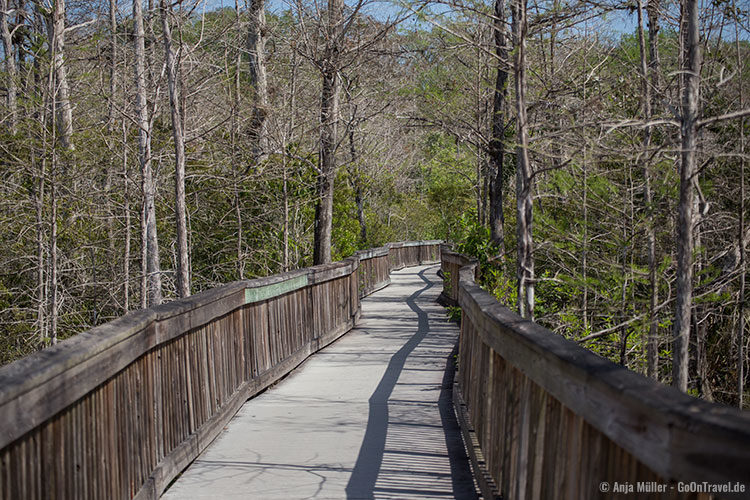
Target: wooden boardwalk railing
548,419
119,411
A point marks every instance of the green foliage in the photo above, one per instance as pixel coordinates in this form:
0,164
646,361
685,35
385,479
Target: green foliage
454,313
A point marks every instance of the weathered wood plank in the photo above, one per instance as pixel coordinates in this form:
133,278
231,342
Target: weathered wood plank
119,410
597,421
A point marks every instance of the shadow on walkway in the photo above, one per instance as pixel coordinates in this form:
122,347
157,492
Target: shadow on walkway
369,476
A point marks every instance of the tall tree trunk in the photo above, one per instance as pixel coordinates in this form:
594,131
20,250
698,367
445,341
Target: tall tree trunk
235,133
126,207
112,168
256,46
56,33
652,10
144,249
652,349
183,260
329,104
497,143
741,230
585,172
53,278
287,139
10,64
153,271
686,216
624,334
41,295
524,200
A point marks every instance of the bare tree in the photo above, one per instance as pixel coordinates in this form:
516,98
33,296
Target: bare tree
256,46
183,259
497,139
153,290
56,34
741,230
329,109
524,180
686,215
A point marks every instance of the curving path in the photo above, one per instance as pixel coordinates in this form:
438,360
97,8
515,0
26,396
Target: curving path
370,416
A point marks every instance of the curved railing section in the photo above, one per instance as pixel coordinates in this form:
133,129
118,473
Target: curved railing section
546,418
120,410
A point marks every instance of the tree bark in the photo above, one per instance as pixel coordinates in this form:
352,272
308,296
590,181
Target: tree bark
497,143
126,208
652,10
112,168
288,134
329,104
183,259
741,233
686,215
56,33
524,200
53,271
113,63
153,271
41,295
10,64
256,46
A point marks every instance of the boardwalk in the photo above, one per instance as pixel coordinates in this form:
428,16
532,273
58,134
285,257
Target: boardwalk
368,417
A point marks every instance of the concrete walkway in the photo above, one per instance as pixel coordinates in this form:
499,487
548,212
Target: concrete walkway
370,416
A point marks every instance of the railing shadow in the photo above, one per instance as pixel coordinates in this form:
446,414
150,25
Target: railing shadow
367,469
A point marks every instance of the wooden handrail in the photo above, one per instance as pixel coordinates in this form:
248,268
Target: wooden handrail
120,410
450,264
553,420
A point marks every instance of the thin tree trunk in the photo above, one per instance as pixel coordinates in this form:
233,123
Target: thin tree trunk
41,283
112,169
153,290
524,201
51,98
256,46
497,142
686,216
478,150
652,349
144,249
126,206
653,50
287,138
113,62
53,252
56,33
329,104
235,133
624,289
585,200
53,286
741,232
10,64
183,260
